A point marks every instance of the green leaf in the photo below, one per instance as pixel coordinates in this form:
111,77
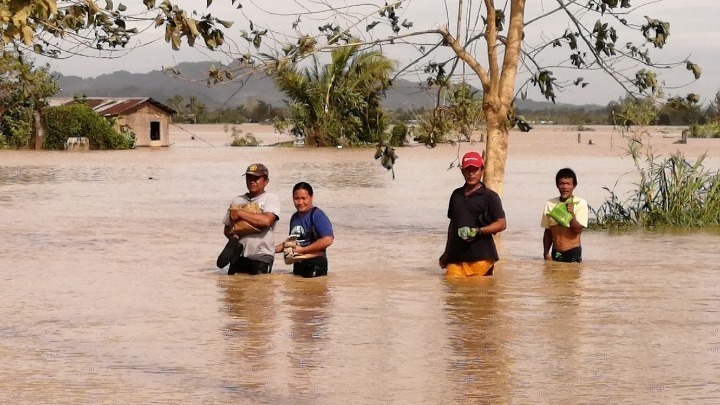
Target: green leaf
209,2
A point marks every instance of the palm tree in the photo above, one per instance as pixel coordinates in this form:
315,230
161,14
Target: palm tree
338,102
176,102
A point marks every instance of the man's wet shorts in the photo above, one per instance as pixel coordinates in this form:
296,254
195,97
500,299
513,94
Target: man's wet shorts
573,255
465,269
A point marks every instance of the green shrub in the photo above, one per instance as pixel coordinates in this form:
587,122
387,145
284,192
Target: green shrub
673,192
239,139
79,120
245,140
17,127
705,131
398,134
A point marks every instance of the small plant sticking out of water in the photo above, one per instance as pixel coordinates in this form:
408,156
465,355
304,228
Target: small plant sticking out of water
711,130
582,127
671,192
240,139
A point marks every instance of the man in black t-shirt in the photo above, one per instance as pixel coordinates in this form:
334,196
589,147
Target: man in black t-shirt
476,214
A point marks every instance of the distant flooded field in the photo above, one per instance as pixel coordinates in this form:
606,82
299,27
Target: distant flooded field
599,140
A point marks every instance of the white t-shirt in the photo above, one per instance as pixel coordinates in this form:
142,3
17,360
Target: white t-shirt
581,212
261,243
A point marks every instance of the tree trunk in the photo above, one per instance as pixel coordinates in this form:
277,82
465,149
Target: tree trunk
496,148
38,131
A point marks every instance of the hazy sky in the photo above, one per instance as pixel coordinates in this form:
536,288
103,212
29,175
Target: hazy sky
695,34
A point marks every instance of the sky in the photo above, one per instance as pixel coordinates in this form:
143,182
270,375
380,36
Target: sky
694,35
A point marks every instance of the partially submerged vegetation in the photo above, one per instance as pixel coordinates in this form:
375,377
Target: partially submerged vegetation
674,192
240,139
24,94
338,103
705,131
671,192
79,120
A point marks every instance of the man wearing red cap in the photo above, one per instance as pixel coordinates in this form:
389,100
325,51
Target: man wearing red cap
476,214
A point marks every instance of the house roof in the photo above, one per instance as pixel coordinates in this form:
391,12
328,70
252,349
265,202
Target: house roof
113,106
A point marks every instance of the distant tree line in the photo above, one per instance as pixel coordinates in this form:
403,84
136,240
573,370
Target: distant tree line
196,112
674,112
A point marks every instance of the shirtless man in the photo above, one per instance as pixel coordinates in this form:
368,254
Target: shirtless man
562,243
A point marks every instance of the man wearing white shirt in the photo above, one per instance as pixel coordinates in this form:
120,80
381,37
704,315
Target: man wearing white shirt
561,239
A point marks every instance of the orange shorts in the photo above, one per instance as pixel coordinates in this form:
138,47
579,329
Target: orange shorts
465,269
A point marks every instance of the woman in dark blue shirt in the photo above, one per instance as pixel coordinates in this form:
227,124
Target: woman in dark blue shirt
313,232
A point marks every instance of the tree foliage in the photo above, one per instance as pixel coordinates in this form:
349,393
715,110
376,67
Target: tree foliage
51,27
24,89
338,102
79,120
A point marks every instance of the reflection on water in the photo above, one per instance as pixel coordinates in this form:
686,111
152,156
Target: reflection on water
252,320
309,309
111,295
478,366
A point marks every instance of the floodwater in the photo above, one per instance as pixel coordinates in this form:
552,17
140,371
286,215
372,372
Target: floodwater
111,295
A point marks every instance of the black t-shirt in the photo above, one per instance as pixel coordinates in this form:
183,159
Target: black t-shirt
481,208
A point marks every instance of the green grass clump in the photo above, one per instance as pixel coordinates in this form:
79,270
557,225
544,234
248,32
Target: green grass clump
673,192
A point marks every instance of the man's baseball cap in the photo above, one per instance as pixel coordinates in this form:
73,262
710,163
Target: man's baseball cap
472,159
257,169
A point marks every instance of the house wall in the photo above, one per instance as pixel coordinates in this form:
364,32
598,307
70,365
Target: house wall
140,121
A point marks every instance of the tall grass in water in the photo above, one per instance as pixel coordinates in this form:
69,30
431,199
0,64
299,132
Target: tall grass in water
673,192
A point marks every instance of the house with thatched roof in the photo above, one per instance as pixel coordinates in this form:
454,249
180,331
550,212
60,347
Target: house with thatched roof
149,119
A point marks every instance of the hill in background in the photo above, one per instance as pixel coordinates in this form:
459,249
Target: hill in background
159,85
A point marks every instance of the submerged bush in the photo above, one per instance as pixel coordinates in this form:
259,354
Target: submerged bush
240,139
705,131
245,140
16,126
398,135
79,120
673,192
